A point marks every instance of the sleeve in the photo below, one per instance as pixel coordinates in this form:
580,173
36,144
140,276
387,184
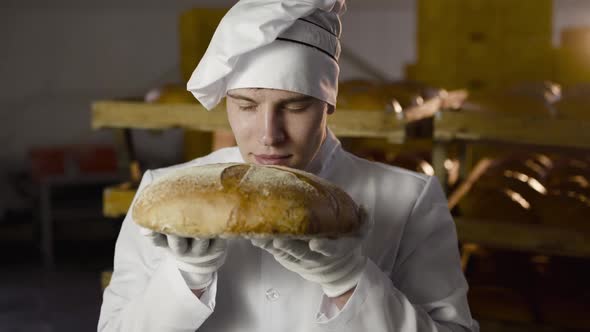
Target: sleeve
147,291
426,289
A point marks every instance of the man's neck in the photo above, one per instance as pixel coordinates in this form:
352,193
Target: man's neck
318,162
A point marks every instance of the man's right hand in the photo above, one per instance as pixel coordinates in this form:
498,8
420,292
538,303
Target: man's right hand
197,259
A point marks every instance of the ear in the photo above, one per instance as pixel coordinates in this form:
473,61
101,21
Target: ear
331,109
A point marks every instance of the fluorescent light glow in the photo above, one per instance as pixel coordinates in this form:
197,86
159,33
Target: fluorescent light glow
426,168
532,182
516,197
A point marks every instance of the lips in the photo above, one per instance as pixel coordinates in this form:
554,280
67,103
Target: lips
272,159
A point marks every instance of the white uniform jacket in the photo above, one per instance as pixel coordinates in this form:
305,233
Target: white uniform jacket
412,281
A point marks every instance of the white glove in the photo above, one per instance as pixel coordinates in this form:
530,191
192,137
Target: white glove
335,264
197,259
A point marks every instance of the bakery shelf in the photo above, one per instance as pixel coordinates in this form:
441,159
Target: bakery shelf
124,115
516,130
522,237
535,238
512,128
349,123
449,126
117,200
541,131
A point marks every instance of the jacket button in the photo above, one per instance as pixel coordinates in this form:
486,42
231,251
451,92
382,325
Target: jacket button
272,294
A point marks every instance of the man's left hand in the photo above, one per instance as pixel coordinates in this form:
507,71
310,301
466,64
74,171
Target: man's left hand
335,264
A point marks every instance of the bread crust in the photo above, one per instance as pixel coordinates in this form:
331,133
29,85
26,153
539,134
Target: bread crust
231,199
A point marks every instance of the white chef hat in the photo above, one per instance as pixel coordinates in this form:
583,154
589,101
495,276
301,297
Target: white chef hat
277,44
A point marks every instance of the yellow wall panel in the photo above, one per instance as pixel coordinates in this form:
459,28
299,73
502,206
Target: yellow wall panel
528,16
437,75
197,144
487,43
196,28
573,63
572,69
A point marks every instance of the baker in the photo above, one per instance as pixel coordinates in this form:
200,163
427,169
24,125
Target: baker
276,62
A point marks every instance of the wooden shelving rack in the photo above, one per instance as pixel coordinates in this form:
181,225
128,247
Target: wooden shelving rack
124,115
542,132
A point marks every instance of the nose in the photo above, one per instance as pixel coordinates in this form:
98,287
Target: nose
272,132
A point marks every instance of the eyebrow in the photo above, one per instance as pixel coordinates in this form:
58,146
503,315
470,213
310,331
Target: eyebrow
237,96
284,101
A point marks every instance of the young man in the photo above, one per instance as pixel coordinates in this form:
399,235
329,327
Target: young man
276,62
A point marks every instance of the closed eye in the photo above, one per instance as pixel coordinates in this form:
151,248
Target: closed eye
297,108
247,107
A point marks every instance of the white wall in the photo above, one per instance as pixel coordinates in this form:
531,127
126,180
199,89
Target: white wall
383,37
57,61
54,61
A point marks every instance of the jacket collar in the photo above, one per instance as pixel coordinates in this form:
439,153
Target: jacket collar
323,160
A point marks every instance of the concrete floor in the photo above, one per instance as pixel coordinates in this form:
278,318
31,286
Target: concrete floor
66,299
69,297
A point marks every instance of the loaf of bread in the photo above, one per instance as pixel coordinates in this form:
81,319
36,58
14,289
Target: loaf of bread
226,200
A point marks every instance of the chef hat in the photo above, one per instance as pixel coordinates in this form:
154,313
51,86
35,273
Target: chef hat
277,44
